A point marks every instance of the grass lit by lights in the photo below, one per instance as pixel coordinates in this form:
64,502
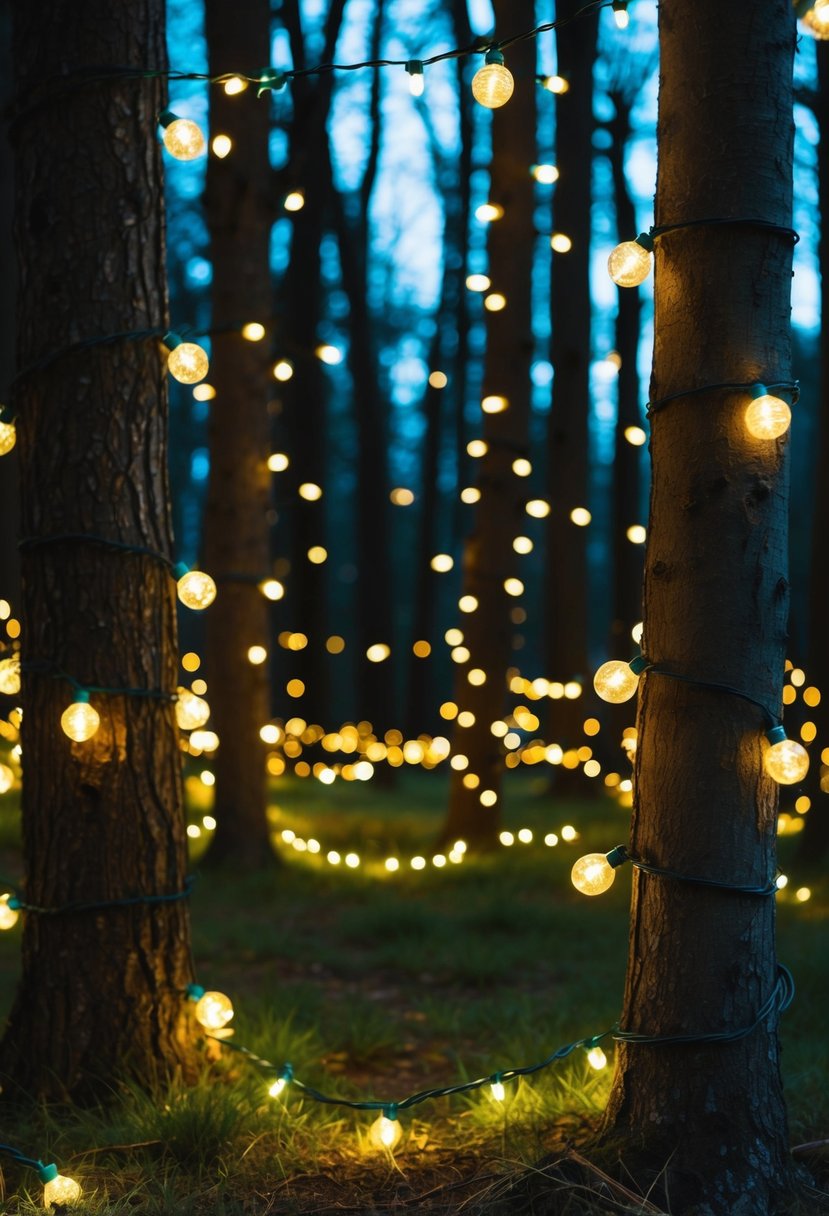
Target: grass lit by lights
383,977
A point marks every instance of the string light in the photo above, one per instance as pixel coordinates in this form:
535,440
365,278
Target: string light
8,433
493,84
58,1189
416,82
80,720
768,416
9,915
616,681
187,362
786,761
221,146
191,711
631,262
294,201
213,1009
385,1131
595,873
621,15
183,138
195,589
554,84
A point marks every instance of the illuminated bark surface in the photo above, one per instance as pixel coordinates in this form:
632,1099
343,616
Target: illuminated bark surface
712,1117
101,992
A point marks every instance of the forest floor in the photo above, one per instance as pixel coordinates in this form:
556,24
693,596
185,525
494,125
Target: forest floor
378,985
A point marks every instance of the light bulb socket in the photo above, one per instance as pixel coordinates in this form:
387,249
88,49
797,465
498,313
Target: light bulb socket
801,7
776,734
14,902
47,1173
271,81
493,55
7,414
180,569
620,6
194,992
415,67
81,697
615,858
171,340
286,1073
166,117
758,390
390,1111
645,240
638,665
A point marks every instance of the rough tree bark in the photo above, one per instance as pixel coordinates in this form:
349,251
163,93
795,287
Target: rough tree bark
236,530
712,1117
489,559
566,595
101,991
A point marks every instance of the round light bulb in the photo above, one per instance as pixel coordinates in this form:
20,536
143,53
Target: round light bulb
629,264
492,85
191,711
786,762
188,363
80,721
10,676
196,590
592,874
8,916
214,1010
816,19
276,1089
184,139
615,682
498,1091
61,1190
596,1057
8,437
768,417
385,1132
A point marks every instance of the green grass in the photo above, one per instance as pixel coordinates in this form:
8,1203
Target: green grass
379,985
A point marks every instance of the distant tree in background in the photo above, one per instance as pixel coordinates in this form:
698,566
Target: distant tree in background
707,1119
239,205
491,564
566,599
101,992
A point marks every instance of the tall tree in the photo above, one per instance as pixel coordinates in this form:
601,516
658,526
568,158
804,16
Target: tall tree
490,563
566,596
709,1117
236,529
101,990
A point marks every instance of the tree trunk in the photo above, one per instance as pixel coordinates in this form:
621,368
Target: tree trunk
489,560
566,594
814,843
9,474
710,1119
101,991
236,531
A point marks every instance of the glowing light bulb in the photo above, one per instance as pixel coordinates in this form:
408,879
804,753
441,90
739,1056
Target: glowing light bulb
768,417
214,1010
187,362
8,437
294,201
786,761
620,14
487,213
8,916
6,778
498,1091
281,1081
57,1188
182,138
816,19
283,370
191,711
593,874
272,589
10,676
235,85
545,174
385,1131
492,85
196,590
221,145
253,331
630,263
80,721
416,82
596,1058
616,681
555,84
560,242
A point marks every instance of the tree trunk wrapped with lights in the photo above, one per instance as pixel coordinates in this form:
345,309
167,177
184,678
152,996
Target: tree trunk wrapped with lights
239,214
708,1116
490,561
102,989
